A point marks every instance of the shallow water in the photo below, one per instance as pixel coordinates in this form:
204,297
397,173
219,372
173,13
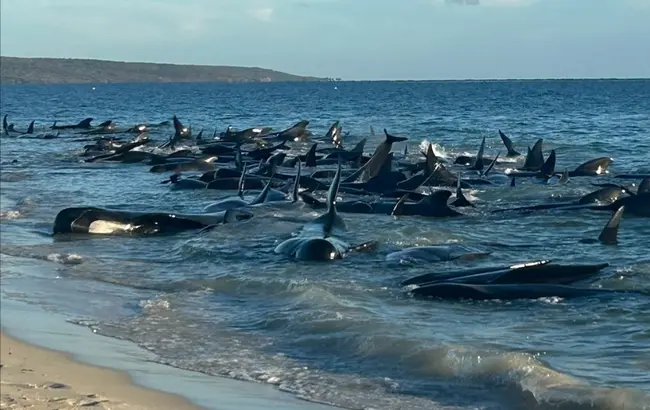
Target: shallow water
344,333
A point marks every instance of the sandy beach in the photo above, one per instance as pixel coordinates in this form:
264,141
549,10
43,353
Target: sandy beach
42,379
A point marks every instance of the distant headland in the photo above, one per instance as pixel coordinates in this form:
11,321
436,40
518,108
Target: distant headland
19,70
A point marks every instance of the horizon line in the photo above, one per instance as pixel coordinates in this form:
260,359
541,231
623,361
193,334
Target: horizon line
330,78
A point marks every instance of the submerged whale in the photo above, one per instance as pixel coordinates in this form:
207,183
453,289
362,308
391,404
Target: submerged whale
531,272
435,253
508,292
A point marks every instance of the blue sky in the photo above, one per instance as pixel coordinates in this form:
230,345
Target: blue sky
352,39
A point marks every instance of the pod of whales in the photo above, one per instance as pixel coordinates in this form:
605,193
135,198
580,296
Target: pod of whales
374,181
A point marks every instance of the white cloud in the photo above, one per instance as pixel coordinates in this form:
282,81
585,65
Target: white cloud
262,14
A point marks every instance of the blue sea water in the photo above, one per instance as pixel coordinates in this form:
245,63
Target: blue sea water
345,333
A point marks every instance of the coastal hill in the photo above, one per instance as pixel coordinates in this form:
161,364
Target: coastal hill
18,70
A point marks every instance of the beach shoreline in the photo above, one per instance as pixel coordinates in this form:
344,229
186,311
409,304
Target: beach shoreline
39,378
55,364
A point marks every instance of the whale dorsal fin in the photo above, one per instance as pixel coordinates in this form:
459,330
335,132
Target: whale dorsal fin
332,217
478,163
84,123
565,177
644,186
494,161
296,184
238,161
399,206
331,133
609,235
548,169
431,159
178,126
535,157
240,185
310,157
359,147
461,200
30,129
261,198
508,144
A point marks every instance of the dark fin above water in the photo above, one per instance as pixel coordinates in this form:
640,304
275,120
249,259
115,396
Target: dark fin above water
391,139
431,159
84,123
594,167
478,162
494,161
406,150
5,125
360,146
333,134
461,200
178,125
242,180
399,206
513,182
535,158
239,164
310,157
565,177
296,185
509,146
261,198
548,169
30,129
332,217
609,235
644,186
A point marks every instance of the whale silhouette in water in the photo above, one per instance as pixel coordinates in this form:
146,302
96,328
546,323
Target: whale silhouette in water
317,241
101,221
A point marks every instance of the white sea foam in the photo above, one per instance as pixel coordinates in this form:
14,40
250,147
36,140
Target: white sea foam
65,258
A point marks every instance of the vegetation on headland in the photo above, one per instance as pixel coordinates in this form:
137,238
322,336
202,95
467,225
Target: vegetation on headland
18,70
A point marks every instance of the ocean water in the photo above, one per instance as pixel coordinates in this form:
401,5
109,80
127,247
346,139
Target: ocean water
344,333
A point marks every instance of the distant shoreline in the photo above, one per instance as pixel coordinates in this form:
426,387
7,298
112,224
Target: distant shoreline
19,70
43,70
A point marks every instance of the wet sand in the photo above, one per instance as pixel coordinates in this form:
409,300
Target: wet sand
42,379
